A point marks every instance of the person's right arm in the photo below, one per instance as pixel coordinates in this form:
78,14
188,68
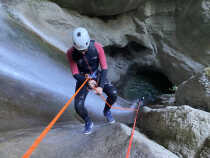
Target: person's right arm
74,68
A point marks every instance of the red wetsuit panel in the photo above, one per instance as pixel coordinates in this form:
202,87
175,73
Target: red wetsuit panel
73,64
102,57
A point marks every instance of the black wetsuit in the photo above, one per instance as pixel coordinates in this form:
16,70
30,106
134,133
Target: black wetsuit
88,64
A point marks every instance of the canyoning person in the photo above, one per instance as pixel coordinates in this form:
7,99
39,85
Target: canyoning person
84,57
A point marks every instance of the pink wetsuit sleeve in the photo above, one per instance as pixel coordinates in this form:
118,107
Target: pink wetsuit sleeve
73,64
102,57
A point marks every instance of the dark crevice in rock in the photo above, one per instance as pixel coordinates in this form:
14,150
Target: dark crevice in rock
138,79
146,82
103,12
107,18
129,51
157,78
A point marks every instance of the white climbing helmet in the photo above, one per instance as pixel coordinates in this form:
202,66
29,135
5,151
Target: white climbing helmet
81,38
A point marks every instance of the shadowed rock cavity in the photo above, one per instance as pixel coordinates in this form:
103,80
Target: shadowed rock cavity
146,82
100,8
135,74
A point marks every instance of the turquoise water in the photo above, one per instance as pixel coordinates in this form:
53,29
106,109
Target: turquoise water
139,86
148,84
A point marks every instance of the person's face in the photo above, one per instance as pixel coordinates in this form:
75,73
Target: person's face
83,51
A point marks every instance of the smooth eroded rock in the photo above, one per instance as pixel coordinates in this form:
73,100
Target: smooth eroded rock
195,91
100,8
182,130
68,141
205,150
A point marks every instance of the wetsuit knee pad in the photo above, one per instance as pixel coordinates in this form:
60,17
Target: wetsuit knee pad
113,96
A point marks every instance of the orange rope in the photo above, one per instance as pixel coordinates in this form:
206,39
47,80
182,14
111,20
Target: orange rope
51,124
134,125
132,133
118,108
47,129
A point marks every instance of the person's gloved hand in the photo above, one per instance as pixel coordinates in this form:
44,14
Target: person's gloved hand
92,84
99,90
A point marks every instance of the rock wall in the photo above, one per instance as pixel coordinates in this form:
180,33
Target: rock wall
180,42
195,91
175,33
35,78
175,38
205,152
183,130
100,8
68,141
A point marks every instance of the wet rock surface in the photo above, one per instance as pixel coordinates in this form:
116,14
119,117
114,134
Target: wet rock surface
196,91
35,79
162,27
183,130
172,36
68,141
205,150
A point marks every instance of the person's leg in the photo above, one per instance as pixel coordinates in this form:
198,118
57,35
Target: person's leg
111,93
81,110
79,102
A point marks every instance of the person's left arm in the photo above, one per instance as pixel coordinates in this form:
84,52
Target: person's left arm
103,64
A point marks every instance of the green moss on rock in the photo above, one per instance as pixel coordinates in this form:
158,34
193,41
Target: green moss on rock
207,71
